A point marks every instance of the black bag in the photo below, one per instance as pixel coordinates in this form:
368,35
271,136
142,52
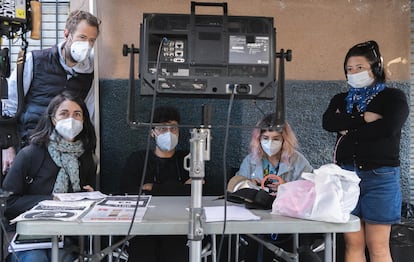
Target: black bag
252,198
241,190
402,242
402,235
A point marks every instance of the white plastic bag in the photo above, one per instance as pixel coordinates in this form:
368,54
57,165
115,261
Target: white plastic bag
331,196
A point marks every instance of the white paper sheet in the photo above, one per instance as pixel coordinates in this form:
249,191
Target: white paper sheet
94,195
216,213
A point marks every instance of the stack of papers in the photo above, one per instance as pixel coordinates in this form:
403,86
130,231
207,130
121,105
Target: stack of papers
118,208
56,210
100,208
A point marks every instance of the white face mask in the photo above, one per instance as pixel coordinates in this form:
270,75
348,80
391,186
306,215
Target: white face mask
167,141
271,147
80,50
69,128
359,80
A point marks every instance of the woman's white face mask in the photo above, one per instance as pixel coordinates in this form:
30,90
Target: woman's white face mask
271,147
69,128
360,80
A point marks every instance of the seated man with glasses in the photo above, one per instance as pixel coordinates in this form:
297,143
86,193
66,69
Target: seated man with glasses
165,176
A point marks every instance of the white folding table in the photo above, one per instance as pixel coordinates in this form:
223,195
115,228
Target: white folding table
170,216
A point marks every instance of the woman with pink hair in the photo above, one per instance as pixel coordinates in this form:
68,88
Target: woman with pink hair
273,151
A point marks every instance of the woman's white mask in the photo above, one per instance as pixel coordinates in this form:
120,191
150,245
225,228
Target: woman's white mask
271,147
69,128
360,80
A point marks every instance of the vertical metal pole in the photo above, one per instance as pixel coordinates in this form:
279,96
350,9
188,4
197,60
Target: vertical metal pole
296,245
236,248
110,255
328,247
229,249
55,249
199,151
213,248
333,247
93,9
2,208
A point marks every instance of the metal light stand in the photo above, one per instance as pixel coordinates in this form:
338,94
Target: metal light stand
8,125
199,152
280,110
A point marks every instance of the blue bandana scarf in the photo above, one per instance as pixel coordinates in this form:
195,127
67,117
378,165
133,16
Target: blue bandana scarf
362,97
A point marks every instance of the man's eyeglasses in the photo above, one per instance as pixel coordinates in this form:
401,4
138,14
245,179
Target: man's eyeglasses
164,129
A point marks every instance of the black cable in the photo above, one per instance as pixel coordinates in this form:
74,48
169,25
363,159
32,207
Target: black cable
144,171
226,135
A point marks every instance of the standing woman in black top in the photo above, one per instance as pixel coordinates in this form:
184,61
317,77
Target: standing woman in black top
368,120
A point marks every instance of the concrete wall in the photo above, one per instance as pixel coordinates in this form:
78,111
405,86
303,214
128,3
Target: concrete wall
306,101
319,32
